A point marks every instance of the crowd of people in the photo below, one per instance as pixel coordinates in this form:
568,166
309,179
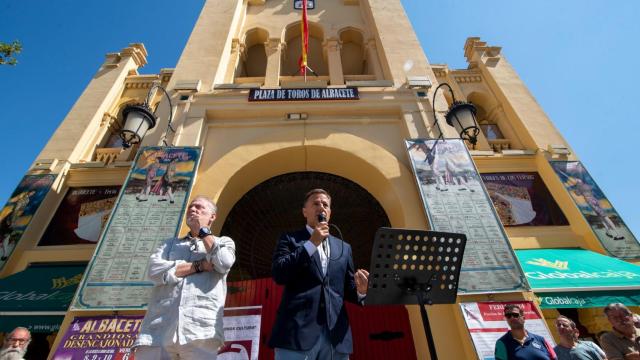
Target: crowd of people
621,343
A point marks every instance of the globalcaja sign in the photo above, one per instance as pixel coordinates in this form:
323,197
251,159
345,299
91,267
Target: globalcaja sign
548,270
311,94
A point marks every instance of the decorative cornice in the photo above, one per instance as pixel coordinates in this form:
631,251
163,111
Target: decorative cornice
440,71
141,81
468,79
138,52
474,46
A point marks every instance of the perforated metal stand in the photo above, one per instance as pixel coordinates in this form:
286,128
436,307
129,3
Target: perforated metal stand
411,267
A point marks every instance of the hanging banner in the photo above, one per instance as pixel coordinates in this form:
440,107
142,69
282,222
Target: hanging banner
149,210
16,215
456,201
111,337
604,220
486,324
522,199
81,216
241,334
99,338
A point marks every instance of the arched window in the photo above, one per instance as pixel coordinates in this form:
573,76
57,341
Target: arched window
291,56
352,53
253,61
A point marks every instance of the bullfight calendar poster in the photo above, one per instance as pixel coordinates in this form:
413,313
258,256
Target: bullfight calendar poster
148,211
455,200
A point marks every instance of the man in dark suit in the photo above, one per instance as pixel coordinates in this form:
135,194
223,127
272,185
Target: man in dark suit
317,272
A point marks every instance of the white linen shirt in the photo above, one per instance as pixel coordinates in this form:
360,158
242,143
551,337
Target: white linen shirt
184,309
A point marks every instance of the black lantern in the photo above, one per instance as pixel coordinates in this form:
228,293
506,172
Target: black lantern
138,119
462,116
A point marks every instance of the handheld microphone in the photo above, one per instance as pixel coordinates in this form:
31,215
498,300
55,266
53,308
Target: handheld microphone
322,217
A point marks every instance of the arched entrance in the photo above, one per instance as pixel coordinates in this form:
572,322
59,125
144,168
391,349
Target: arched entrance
274,207
256,221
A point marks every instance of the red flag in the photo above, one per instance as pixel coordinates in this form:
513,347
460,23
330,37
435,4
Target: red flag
304,40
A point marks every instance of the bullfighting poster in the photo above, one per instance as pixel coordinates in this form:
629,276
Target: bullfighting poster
17,213
605,222
455,200
99,338
522,199
149,210
81,216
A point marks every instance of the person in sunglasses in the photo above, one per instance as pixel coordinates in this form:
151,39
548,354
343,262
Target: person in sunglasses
520,344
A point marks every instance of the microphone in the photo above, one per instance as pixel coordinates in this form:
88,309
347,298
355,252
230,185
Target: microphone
322,217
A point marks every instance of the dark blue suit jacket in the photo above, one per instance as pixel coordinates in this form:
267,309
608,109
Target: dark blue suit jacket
301,318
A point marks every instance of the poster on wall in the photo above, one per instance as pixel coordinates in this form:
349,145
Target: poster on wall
604,220
81,216
99,338
486,324
111,337
522,199
456,201
148,211
241,333
17,213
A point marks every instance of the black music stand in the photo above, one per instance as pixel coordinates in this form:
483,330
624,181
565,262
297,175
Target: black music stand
411,267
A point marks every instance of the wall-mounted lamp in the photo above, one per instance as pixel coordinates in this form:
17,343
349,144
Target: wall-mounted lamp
138,119
461,115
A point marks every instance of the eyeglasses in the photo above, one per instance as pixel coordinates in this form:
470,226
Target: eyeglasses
512,315
17,341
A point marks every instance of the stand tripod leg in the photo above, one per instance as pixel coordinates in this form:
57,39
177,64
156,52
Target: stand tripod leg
427,327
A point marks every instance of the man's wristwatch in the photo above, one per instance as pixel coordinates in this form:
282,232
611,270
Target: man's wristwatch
204,232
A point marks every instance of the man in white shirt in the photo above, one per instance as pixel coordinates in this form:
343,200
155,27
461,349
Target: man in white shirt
184,317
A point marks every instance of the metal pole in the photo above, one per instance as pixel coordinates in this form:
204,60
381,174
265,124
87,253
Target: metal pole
427,327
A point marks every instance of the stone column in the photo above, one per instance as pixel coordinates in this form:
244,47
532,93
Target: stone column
237,53
332,51
373,62
274,48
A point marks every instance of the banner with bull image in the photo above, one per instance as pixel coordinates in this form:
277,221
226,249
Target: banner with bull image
605,222
455,200
17,213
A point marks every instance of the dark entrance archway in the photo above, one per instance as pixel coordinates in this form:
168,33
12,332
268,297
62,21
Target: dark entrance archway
273,207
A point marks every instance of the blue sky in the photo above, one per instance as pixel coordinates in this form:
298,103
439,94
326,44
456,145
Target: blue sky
578,58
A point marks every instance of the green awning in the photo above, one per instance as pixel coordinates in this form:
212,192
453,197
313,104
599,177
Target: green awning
35,323
577,278
38,297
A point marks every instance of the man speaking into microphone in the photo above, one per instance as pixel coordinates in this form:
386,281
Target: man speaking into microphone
317,272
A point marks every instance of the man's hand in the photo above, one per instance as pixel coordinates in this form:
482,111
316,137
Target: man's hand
320,233
195,223
362,281
207,266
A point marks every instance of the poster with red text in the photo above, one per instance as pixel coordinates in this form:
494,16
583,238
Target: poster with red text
486,324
